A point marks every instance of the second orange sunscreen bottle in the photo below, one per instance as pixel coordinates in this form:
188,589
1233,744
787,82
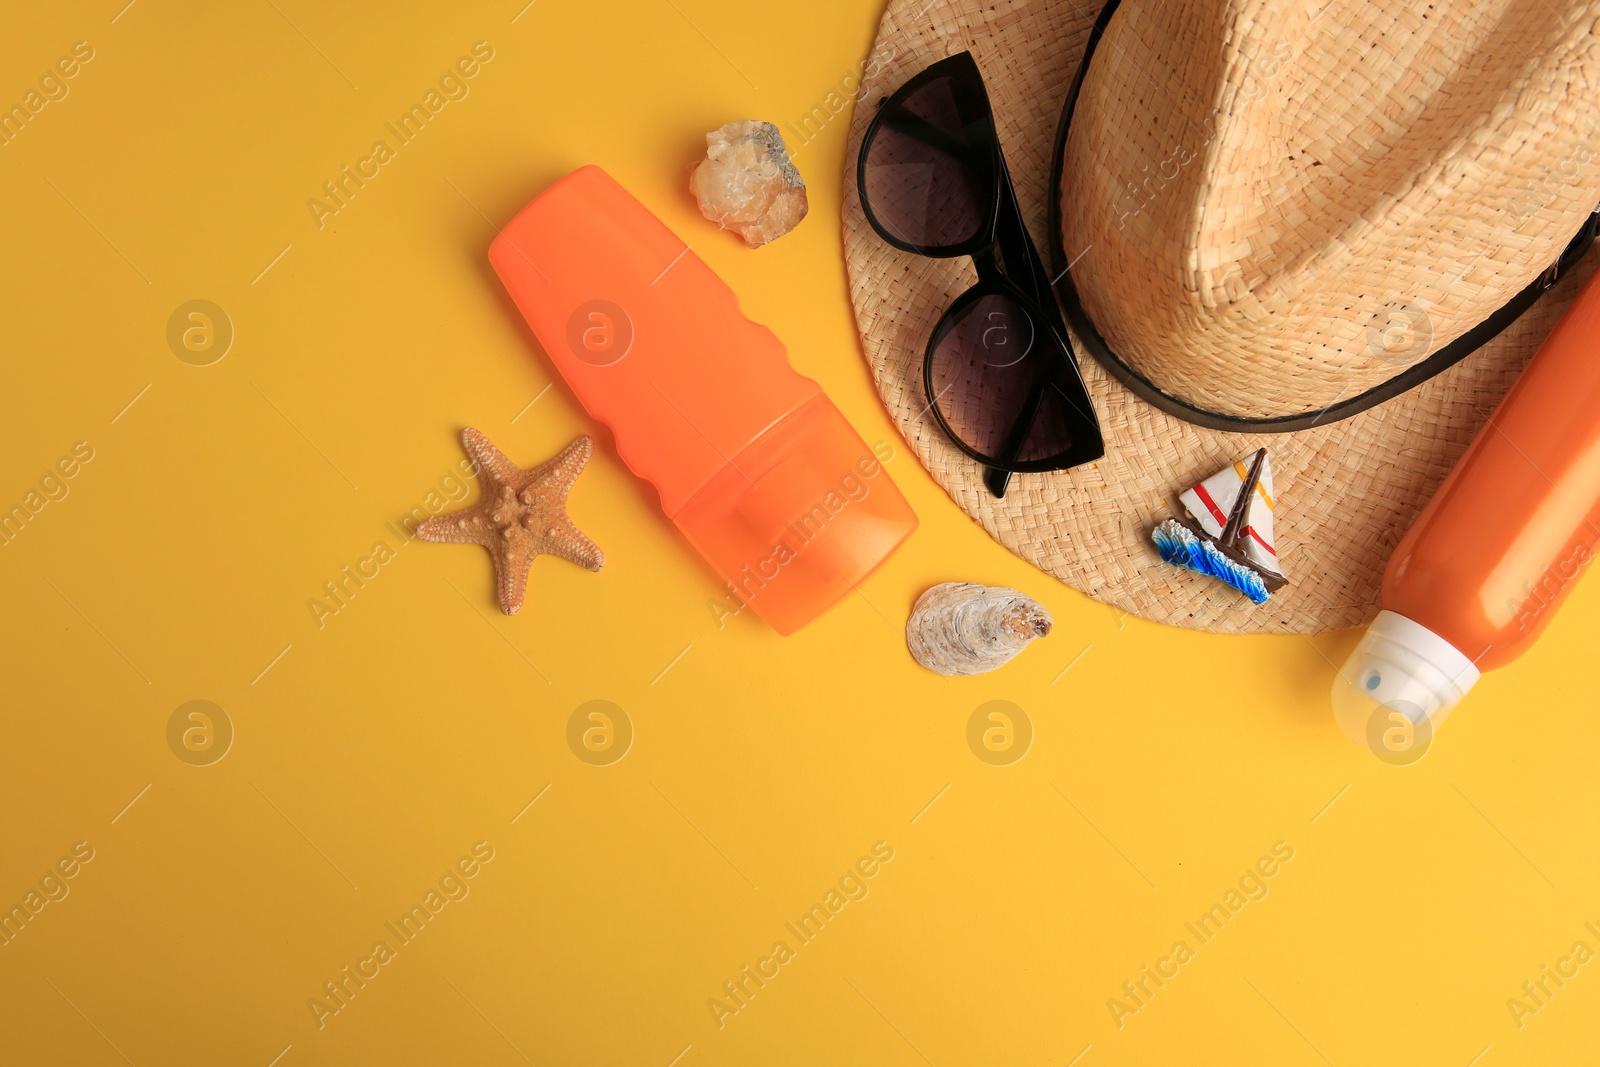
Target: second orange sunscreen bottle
1483,569
752,461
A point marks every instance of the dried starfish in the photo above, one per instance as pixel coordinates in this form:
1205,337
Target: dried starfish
522,515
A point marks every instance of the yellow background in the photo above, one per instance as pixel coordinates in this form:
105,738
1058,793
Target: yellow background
417,721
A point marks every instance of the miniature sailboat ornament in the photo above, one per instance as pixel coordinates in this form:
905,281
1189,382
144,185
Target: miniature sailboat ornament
1229,531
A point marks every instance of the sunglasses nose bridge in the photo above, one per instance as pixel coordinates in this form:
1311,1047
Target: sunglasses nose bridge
991,273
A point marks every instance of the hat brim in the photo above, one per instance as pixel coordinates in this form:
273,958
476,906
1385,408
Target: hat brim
1346,492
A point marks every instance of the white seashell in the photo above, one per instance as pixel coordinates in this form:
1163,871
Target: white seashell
966,628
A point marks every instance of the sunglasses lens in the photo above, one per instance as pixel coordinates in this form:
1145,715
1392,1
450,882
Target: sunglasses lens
995,377
927,177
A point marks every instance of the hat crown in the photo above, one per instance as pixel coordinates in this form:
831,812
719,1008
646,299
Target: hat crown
1280,205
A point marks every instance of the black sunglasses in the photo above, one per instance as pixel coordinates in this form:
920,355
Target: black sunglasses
999,372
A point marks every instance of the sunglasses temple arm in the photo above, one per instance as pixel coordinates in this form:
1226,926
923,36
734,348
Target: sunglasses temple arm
1020,255
997,479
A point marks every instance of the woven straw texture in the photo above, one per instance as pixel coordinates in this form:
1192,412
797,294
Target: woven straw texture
1345,492
1290,176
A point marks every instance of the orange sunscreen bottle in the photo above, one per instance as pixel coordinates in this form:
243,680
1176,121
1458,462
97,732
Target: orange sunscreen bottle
754,464
1491,557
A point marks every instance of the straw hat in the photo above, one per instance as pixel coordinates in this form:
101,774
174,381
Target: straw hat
1278,215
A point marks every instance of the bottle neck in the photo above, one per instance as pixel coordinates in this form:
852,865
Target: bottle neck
1401,667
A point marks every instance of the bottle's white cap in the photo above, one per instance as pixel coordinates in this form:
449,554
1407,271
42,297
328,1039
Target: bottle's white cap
1400,668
